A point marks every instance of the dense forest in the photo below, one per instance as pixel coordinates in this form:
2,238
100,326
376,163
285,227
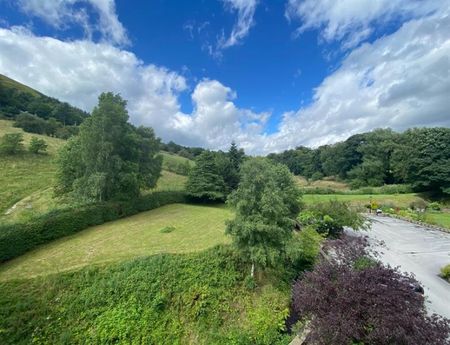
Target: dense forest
419,157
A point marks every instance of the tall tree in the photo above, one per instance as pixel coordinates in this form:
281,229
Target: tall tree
109,158
266,202
205,181
423,159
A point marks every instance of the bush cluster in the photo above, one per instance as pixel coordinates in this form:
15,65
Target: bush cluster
18,238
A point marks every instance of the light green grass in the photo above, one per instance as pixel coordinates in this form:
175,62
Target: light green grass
441,219
170,181
12,84
397,200
195,228
24,174
324,183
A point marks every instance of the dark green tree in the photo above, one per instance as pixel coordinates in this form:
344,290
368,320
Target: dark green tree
37,145
422,159
205,181
11,143
109,158
266,202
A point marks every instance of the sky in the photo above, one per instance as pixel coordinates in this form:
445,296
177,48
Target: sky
270,75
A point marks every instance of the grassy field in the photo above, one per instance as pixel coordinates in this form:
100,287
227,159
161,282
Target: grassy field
330,184
194,228
26,173
398,200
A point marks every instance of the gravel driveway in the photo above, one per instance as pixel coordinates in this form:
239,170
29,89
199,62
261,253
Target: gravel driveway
418,250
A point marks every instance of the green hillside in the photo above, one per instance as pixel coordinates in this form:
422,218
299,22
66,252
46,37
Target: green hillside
24,174
27,179
6,82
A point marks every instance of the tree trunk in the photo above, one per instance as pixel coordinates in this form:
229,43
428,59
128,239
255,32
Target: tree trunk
253,270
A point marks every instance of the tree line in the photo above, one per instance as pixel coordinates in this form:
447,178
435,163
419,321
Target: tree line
419,157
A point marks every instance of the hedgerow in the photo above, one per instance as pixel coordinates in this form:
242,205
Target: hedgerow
18,238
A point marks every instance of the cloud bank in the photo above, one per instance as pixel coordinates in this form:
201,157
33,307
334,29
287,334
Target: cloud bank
400,81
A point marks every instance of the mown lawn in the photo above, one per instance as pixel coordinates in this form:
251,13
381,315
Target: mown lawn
194,228
396,200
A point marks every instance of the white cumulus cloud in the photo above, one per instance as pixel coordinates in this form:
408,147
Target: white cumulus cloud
61,13
352,21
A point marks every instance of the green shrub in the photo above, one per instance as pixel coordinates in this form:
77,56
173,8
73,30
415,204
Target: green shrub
167,229
330,218
18,238
11,143
435,206
37,145
445,272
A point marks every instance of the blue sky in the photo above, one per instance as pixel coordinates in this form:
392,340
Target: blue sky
270,75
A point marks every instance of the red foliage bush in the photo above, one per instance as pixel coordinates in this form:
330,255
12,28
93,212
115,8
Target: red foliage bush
351,299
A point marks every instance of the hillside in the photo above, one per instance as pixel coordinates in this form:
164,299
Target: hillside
9,83
24,174
27,179
16,98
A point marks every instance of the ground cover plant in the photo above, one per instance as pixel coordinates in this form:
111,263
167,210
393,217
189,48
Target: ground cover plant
350,298
197,228
164,299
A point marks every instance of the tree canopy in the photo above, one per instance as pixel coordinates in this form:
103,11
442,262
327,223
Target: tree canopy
109,158
418,156
266,203
205,181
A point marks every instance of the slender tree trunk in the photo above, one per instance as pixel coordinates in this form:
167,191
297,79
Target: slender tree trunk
252,273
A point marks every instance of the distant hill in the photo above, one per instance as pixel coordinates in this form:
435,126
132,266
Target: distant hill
16,98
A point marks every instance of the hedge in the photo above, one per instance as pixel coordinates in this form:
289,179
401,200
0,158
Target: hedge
18,238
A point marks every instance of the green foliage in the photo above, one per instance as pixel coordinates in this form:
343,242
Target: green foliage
109,159
16,98
330,218
423,159
167,229
37,145
419,157
163,299
266,202
18,238
205,181
303,249
445,272
11,143
435,206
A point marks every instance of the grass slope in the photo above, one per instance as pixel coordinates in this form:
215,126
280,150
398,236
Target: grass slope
196,298
27,179
25,173
195,228
13,84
